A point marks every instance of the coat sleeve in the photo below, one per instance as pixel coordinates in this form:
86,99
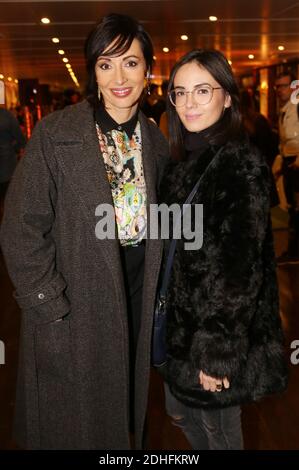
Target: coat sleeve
26,232
234,276
162,154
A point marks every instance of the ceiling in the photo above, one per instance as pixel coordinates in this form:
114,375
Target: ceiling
244,27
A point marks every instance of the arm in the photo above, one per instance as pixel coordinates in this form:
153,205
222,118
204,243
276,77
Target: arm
26,236
234,278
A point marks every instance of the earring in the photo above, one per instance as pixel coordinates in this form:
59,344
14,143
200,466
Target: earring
148,84
99,93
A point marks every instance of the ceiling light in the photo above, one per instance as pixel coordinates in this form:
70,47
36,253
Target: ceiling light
281,48
16,80
65,60
184,37
61,52
213,18
55,40
165,49
250,56
230,62
68,66
1,76
45,20
154,57
9,79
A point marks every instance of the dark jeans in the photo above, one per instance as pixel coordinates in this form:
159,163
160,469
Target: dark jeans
133,268
291,188
207,429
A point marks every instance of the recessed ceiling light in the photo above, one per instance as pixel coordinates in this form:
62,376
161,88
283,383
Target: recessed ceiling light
281,48
165,49
68,66
250,56
213,18
65,60
45,21
61,52
230,62
9,79
1,76
154,57
16,80
184,37
55,40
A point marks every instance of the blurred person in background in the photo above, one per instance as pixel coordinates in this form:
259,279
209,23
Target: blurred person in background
12,141
287,163
261,135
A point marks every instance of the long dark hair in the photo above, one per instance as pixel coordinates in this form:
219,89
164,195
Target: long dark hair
229,126
120,31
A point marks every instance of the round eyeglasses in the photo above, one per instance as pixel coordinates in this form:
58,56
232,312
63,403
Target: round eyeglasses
202,94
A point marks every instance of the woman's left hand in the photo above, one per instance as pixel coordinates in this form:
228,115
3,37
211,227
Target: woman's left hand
212,384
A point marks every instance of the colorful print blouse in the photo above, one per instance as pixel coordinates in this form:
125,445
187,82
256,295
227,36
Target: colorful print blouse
123,162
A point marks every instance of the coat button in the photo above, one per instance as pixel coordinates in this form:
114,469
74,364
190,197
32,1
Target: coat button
41,296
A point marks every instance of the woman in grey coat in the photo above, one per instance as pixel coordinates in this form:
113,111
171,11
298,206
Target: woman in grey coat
87,294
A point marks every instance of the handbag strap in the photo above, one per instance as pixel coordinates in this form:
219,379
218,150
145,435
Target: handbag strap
172,248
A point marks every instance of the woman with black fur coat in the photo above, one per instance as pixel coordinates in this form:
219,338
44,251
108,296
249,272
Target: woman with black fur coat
224,334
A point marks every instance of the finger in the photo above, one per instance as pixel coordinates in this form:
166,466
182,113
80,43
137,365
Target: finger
206,385
200,377
226,382
205,381
212,384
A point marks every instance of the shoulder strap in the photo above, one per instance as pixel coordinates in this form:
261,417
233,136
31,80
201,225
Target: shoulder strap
172,247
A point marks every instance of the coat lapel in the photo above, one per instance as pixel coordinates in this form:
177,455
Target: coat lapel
80,157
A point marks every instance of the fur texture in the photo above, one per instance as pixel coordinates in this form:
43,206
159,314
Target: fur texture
223,312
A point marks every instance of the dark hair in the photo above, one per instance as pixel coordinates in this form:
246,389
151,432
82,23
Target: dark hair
286,73
120,30
229,126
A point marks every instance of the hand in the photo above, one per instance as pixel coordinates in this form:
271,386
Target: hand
212,384
295,164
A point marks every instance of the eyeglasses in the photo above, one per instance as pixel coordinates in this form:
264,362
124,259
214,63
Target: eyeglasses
202,94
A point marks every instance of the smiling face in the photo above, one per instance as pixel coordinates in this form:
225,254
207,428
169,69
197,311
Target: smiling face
121,81
197,117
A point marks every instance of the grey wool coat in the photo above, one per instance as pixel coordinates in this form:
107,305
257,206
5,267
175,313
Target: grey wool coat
73,380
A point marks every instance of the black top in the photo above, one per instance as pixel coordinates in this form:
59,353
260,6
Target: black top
107,123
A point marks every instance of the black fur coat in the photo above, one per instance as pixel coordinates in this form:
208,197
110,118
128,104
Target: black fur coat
223,313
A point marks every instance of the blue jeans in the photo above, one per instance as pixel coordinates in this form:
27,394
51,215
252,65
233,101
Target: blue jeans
206,429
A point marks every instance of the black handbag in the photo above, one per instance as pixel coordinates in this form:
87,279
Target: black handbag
159,350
